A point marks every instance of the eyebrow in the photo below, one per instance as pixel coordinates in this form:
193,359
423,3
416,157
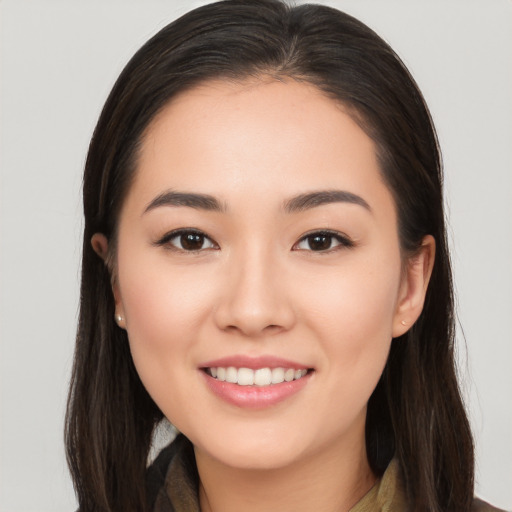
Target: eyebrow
313,199
192,200
298,203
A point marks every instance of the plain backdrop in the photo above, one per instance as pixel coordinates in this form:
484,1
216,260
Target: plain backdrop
59,60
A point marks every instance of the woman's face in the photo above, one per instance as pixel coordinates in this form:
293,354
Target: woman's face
258,244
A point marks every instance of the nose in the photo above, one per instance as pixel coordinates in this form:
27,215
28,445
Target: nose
255,300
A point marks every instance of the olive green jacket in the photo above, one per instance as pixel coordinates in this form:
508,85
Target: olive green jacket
173,483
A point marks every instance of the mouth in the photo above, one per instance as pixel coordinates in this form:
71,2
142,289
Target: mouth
255,382
259,377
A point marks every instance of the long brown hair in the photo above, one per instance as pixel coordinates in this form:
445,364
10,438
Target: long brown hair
416,413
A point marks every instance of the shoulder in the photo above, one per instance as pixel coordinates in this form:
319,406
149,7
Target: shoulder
482,506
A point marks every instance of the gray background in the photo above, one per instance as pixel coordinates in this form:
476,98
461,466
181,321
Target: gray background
59,60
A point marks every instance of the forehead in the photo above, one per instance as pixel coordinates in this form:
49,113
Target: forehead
257,136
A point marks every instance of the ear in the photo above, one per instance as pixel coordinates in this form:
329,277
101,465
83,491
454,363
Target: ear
414,286
99,243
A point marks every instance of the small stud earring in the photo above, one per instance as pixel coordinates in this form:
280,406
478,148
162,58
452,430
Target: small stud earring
403,322
119,318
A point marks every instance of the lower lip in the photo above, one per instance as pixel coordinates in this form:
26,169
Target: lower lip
255,397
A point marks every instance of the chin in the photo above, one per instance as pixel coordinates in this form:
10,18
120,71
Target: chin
257,460
252,452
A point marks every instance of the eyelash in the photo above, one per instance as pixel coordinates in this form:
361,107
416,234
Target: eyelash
343,241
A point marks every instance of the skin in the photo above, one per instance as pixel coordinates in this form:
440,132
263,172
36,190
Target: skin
256,287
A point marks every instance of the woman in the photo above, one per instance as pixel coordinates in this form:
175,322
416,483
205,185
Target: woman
265,265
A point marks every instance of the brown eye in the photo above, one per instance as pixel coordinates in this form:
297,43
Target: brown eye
191,241
322,241
187,240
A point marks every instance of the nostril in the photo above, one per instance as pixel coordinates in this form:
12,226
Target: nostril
273,328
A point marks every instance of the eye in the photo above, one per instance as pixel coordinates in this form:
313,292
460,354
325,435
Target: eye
322,241
188,240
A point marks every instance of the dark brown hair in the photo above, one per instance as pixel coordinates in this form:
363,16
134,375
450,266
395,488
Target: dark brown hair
416,413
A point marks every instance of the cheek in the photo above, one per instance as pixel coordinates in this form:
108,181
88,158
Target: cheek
165,311
163,306
356,301
354,316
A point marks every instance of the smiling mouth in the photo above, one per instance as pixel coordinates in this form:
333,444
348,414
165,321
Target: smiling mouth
259,377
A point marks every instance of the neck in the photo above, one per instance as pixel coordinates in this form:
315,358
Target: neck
333,481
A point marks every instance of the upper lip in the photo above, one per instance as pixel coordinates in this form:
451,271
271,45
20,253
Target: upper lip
264,361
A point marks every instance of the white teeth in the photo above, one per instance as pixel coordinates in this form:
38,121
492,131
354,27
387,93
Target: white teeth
245,377
232,375
277,375
263,377
259,377
289,374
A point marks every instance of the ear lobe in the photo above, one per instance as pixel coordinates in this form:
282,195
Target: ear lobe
414,286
